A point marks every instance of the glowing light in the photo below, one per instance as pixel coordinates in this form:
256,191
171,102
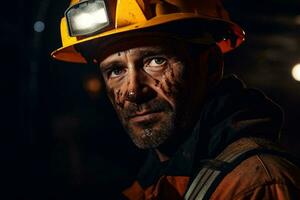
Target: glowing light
296,72
92,85
90,20
39,26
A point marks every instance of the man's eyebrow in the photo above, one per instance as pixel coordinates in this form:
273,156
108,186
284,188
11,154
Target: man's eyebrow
152,52
104,66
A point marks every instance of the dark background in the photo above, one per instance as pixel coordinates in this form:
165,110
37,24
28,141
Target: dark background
59,136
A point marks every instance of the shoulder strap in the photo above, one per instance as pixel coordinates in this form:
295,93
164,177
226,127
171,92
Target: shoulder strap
213,171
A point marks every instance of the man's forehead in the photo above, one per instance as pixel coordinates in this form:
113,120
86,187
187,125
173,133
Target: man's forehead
142,50
137,52
130,43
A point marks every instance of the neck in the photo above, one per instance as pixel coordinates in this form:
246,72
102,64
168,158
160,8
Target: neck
166,150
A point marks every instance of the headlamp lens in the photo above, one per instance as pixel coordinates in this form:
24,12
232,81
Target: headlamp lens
87,17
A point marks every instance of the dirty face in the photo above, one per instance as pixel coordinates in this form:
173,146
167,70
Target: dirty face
147,85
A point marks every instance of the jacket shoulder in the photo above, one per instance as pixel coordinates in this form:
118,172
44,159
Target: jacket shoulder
262,176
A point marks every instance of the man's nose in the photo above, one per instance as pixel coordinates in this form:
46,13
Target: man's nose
139,90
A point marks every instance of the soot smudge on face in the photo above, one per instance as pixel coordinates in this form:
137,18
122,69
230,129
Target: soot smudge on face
116,96
172,85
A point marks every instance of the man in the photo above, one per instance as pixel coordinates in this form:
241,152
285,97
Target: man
161,62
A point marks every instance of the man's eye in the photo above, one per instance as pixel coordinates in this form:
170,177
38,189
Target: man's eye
116,72
156,64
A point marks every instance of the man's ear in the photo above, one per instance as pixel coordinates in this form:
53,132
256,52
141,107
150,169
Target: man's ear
215,64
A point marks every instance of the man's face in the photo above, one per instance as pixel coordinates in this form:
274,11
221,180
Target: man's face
149,87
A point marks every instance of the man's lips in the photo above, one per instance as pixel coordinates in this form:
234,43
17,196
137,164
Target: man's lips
144,115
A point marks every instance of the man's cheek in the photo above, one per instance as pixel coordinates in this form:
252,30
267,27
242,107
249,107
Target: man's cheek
171,83
116,97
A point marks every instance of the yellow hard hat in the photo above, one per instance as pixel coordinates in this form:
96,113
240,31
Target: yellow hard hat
90,20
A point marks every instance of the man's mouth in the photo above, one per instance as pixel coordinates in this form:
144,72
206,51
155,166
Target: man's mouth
144,116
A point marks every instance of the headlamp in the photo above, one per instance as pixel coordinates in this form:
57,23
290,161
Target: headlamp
87,17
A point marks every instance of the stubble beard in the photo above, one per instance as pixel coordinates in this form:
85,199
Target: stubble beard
151,133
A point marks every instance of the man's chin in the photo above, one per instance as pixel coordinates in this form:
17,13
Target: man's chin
149,135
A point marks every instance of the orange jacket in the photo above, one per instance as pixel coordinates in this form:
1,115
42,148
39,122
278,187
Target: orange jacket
265,176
